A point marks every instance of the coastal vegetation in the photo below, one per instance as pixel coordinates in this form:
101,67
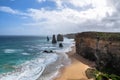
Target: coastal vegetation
97,75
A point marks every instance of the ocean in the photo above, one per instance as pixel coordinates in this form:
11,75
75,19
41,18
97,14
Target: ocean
23,57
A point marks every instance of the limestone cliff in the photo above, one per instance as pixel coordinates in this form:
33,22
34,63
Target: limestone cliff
70,36
103,48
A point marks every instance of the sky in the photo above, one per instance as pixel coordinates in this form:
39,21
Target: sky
46,17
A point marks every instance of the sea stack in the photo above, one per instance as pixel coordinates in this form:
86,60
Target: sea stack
60,45
48,39
54,40
60,37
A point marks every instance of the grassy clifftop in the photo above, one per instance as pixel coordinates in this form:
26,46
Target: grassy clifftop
101,35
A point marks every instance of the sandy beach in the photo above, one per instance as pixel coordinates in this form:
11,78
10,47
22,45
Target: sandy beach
76,70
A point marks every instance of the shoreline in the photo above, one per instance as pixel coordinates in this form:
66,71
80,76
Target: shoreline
53,69
76,70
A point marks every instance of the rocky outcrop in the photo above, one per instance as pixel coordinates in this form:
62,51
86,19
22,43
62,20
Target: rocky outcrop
54,41
103,48
60,37
60,45
47,51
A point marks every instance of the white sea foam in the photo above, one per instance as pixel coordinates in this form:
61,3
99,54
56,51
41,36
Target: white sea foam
12,50
25,53
43,48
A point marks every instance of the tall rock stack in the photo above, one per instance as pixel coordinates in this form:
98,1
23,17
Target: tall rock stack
54,41
48,38
60,37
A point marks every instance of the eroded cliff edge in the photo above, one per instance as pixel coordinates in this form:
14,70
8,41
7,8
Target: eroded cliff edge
103,48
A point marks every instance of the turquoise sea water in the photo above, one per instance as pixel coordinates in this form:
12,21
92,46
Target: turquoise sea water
24,51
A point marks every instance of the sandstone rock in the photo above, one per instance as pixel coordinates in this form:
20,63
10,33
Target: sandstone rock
60,37
54,40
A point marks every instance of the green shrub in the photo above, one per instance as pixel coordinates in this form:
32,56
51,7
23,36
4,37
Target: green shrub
104,76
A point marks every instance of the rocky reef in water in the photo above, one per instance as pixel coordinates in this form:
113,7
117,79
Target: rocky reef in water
101,47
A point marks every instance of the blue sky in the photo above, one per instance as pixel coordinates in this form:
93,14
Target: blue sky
9,23
45,17
25,4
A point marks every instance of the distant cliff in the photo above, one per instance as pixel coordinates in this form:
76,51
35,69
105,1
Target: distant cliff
70,36
103,48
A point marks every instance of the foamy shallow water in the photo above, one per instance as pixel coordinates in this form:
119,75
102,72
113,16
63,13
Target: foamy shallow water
44,67
30,70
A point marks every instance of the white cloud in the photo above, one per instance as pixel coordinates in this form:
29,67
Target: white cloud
70,16
8,10
12,11
68,19
99,8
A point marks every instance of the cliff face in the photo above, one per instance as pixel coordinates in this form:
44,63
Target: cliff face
103,48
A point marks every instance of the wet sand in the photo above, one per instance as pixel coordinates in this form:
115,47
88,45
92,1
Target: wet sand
76,70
